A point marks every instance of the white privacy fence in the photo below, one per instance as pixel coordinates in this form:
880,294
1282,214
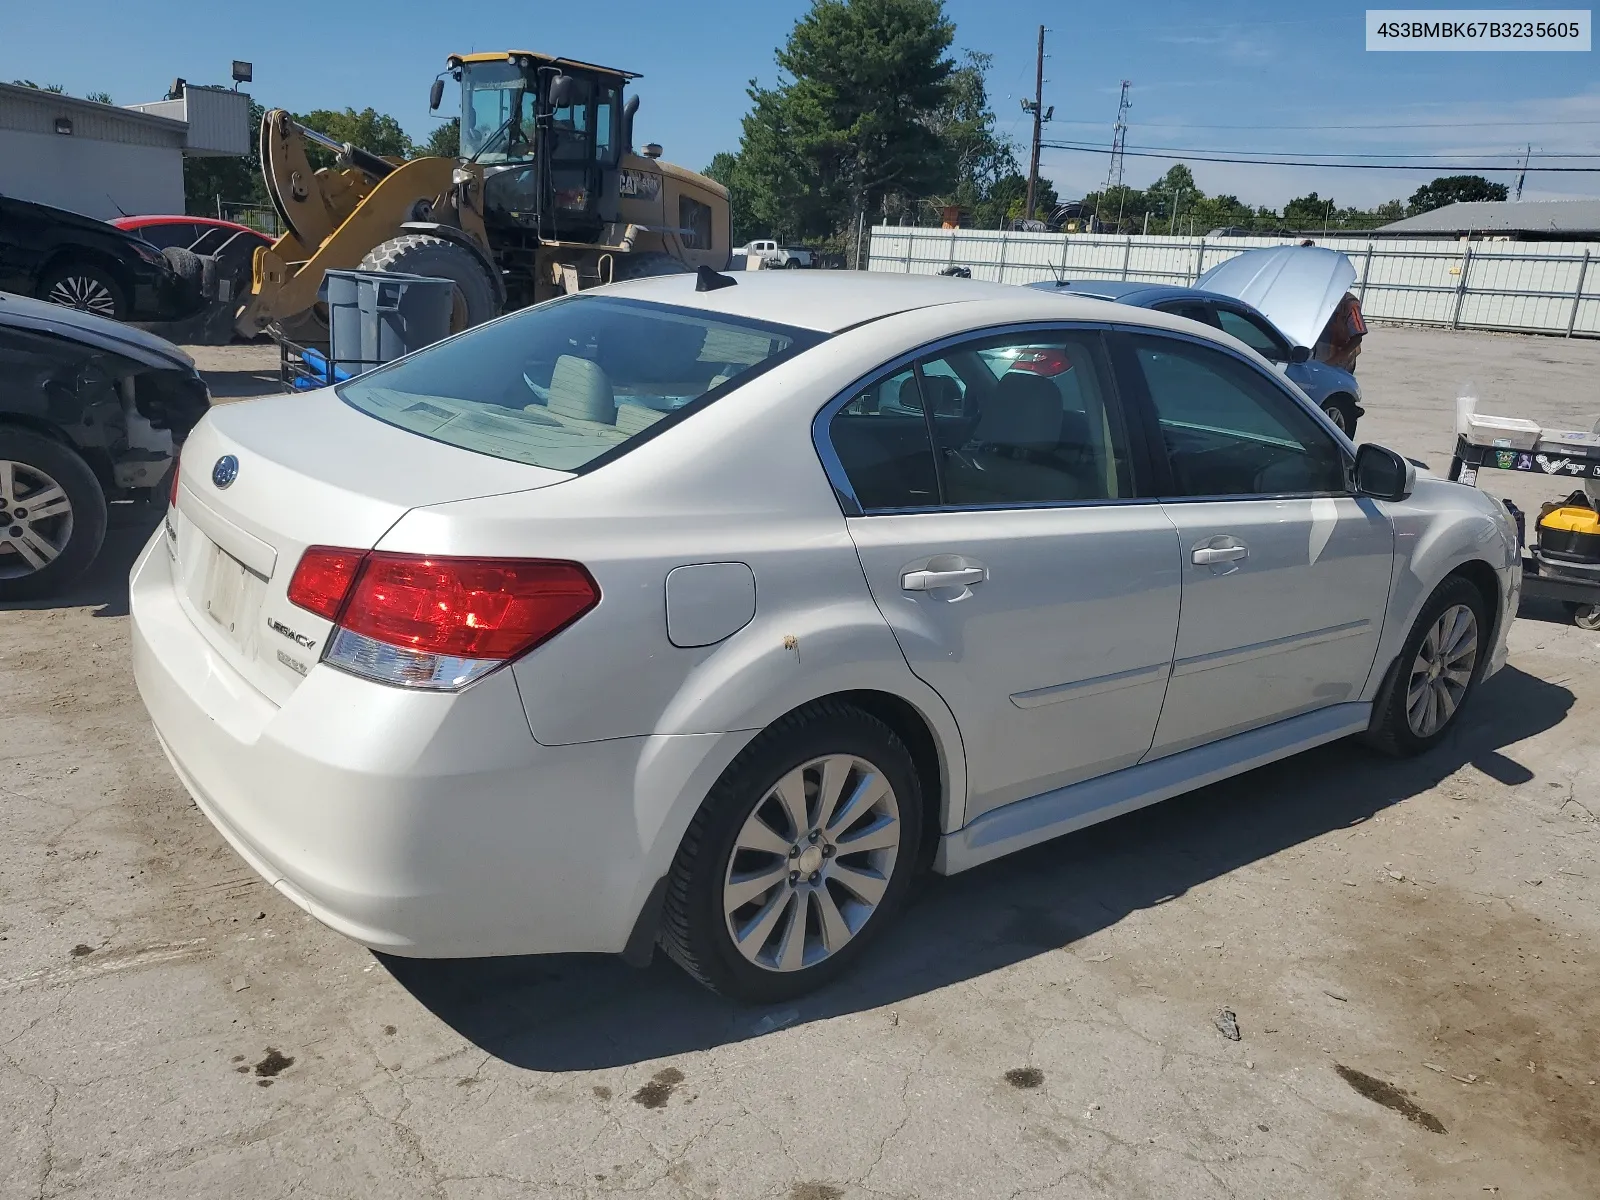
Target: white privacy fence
1533,287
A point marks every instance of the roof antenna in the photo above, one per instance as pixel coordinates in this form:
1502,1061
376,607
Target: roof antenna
707,280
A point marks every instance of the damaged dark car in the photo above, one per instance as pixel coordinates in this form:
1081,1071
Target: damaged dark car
91,412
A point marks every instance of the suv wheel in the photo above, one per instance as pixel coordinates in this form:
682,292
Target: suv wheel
52,515
798,858
86,288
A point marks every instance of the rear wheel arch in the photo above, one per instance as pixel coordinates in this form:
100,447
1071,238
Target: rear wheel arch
68,255
918,734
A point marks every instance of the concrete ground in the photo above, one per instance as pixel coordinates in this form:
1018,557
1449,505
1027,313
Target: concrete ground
1409,951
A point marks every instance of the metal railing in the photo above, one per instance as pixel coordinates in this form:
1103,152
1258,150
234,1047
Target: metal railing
258,216
1529,287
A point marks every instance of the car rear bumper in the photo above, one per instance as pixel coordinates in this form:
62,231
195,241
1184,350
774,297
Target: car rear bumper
422,824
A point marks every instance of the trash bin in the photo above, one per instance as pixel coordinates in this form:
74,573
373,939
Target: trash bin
374,317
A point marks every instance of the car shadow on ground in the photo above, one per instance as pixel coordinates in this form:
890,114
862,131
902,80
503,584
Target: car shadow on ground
226,386
575,1012
104,586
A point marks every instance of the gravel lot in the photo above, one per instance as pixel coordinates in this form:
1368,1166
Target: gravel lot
1410,949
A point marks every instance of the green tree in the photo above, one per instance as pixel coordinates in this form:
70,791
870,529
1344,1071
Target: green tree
977,156
728,170
100,97
1309,212
369,129
1390,210
852,124
443,142
1453,189
53,88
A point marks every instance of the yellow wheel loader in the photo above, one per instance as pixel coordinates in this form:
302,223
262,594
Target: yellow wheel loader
548,196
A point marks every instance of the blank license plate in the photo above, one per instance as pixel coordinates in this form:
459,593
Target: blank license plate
231,591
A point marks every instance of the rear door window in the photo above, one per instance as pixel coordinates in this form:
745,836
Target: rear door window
1020,419
564,383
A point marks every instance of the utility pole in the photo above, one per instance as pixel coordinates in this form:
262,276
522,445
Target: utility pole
1172,221
1527,154
1119,139
1038,122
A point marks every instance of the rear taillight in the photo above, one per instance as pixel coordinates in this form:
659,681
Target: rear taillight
1042,360
323,578
172,498
437,622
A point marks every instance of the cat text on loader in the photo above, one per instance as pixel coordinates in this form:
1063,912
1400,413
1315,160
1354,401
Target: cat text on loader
547,197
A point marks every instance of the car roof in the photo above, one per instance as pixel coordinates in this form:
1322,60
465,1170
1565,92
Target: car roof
173,219
828,301
25,312
1141,294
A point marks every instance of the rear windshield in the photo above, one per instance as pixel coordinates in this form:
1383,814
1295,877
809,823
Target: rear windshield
566,382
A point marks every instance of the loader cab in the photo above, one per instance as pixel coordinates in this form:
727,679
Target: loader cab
548,134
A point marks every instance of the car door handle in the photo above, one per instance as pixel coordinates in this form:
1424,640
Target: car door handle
926,581
1205,556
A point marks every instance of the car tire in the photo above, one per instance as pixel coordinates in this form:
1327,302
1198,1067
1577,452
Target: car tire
41,554
746,864
1342,412
85,287
424,254
1399,727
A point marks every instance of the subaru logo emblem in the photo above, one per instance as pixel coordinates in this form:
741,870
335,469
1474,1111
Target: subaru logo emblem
226,471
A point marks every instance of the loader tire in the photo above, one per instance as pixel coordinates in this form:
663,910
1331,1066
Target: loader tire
423,254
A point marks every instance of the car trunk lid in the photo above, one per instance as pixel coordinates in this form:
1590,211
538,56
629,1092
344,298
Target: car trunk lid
262,480
1295,287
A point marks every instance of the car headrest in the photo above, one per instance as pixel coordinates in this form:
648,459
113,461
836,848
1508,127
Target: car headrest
943,393
579,388
1025,411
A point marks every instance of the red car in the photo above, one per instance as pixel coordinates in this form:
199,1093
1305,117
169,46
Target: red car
201,235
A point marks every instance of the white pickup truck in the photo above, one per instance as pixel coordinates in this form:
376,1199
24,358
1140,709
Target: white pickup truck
773,255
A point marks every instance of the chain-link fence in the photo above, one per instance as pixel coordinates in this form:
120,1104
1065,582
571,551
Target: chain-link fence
1533,287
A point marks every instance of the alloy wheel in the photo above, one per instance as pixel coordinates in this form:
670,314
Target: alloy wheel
1442,670
35,519
85,294
811,863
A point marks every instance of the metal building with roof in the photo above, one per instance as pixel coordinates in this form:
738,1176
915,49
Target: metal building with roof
1521,220
105,161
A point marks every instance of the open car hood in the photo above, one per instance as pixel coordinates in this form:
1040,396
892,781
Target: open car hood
1295,287
24,312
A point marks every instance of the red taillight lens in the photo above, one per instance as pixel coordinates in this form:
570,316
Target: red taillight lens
1358,323
172,499
322,579
475,608
1042,360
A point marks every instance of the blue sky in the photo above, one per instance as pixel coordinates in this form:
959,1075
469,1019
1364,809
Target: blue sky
1193,66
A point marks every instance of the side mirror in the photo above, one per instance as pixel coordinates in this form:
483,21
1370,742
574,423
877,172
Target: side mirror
436,95
1300,354
1383,474
562,90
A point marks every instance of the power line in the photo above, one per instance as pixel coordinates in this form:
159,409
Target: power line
1518,155
1278,162
1385,125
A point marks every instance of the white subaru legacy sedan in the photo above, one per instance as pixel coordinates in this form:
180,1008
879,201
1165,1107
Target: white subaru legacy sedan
704,612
